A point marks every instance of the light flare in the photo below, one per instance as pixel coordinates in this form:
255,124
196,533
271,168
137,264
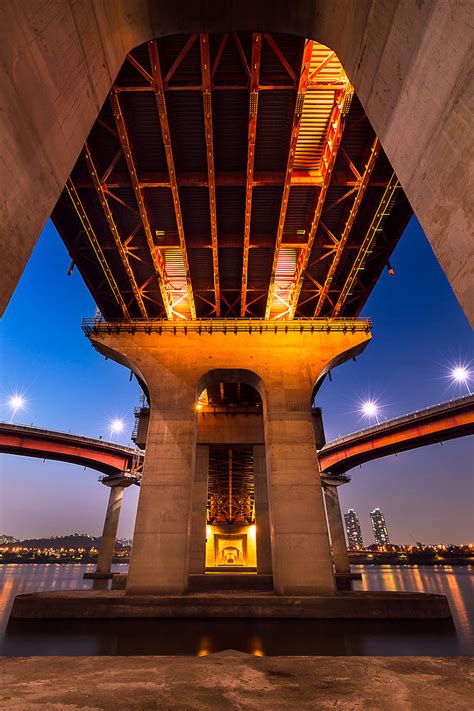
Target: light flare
461,374
371,410
16,402
116,426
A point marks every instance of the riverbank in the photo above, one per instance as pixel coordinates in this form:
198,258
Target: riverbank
63,560
368,560
234,680
374,559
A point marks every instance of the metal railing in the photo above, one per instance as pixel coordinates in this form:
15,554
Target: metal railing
61,433
409,417
243,325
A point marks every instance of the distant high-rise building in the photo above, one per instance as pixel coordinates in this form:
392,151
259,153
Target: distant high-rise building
379,528
353,530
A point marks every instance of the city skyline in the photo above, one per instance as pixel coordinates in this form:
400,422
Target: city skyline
406,366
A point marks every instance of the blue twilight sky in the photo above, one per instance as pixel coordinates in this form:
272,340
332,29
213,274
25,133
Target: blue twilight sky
419,329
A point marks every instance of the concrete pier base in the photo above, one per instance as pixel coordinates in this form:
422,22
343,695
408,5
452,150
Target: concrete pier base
237,581
343,605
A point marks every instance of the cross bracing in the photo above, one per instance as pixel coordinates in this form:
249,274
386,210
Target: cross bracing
228,176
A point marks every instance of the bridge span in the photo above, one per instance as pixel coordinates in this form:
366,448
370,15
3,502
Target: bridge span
122,465
106,457
437,423
431,425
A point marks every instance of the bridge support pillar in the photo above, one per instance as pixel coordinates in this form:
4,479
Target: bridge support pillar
109,534
197,551
159,562
336,527
262,513
283,361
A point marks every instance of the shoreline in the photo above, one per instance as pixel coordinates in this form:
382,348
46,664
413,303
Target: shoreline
374,564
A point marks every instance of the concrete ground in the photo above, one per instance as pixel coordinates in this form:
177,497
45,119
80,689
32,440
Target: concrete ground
232,680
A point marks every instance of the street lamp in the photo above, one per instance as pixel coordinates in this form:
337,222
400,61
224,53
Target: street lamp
461,375
16,402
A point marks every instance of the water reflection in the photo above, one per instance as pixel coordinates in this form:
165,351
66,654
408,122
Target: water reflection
456,582
258,637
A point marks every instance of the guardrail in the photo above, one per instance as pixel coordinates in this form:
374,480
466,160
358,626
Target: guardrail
86,440
417,414
244,325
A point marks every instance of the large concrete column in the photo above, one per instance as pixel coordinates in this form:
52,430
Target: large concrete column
197,549
262,515
160,552
109,533
302,562
336,529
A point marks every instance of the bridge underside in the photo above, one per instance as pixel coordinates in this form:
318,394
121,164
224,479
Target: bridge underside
231,175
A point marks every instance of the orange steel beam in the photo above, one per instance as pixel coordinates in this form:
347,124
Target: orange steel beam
156,257
113,228
366,243
330,86
339,249
333,141
241,52
301,91
252,136
211,176
230,178
82,214
166,135
321,66
219,54
281,57
180,57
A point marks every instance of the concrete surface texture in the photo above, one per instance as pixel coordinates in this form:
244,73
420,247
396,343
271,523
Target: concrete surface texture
235,681
409,61
109,532
284,368
114,604
336,529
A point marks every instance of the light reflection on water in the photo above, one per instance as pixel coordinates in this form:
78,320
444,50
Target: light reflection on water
258,637
456,582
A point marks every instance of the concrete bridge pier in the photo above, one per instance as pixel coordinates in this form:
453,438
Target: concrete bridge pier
117,485
283,362
335,524
262,512
197,552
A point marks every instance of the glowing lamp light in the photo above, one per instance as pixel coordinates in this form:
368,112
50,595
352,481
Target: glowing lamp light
370,409
116,426
16,402
460,374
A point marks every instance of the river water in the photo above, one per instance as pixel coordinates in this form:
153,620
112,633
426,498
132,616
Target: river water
259,637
